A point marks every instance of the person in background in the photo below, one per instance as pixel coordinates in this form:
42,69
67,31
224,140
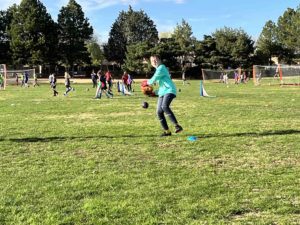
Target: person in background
26,79
129,83
35,82
17,78
125,79
68,84
109,78
94,78
52,81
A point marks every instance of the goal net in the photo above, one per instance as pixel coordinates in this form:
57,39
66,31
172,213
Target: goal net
276,75
226,76
17,77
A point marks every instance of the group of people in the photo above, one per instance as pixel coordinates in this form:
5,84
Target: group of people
166,92
24,79
224,78
103,83
127,81
238,78
53,81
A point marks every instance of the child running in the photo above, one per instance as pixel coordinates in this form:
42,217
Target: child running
108,77
68,84
102,87
52,81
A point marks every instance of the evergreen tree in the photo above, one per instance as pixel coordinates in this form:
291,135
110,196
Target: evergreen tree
115,49
234,47
286,29
130,27
296,30
138,27
183,36
33,34
137,55
137,58
5,20
288,34
169,50
74,32
207,55
268,43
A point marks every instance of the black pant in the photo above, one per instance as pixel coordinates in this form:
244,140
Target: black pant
94,83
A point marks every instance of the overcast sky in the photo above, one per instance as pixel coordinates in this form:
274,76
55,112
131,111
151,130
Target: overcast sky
204,16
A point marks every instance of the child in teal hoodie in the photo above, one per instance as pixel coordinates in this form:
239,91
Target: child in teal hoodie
166,93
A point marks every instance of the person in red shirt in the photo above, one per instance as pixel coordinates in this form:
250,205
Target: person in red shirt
125,78
108,77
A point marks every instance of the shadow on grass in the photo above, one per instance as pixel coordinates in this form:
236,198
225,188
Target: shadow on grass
253,134
69,138
78,138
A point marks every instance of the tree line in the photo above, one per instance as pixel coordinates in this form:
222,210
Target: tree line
29,36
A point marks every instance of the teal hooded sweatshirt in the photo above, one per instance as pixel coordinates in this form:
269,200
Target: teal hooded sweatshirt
163,79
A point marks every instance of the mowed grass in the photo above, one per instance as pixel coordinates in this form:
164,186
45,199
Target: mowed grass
77,160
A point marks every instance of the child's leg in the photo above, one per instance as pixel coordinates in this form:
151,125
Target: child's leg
68,90
98,94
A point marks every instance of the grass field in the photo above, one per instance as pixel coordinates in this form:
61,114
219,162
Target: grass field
76,160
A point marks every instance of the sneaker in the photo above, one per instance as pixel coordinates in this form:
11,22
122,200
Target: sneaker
178,129
164,134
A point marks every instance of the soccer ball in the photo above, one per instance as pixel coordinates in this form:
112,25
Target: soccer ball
145,105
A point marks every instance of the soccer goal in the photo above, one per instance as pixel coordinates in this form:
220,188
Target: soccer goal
16,77
225,76
276,74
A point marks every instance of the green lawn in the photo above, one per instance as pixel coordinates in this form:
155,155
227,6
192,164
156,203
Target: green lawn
77,160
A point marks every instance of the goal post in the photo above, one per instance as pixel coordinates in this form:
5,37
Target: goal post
276,74
3,76
16,77
225,75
